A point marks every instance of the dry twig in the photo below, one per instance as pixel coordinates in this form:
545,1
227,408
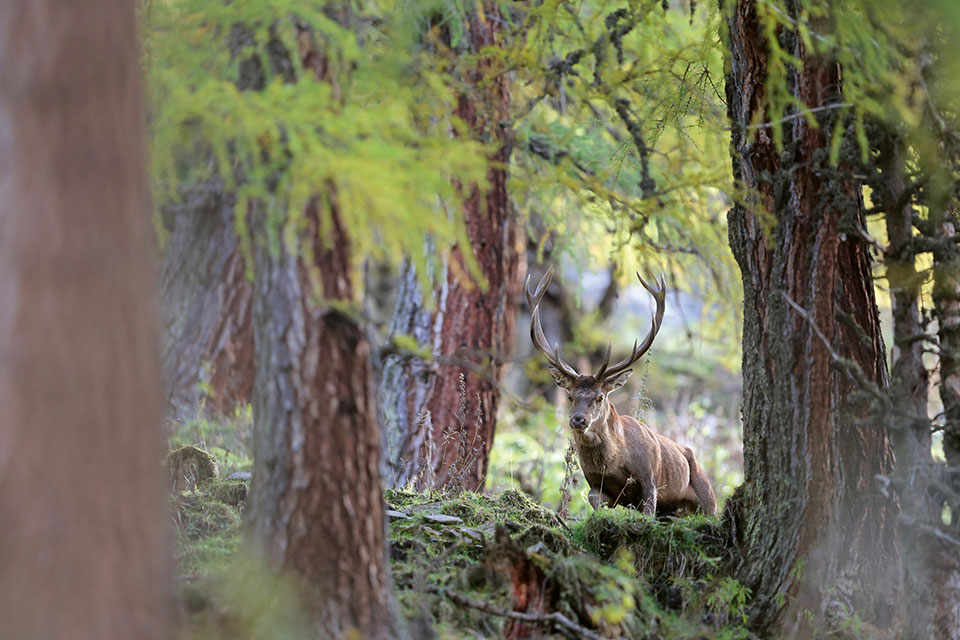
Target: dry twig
555,618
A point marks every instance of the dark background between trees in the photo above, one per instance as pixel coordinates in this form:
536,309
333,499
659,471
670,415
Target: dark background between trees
346,198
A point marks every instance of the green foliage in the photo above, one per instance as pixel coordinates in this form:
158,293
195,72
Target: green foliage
896,58
622,153
374,136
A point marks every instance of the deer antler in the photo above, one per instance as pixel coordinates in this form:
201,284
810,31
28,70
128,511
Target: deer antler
536,331
660,295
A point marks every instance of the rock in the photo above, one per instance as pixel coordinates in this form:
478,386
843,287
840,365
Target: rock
190,467
396,515
537,548
473,534
439,518
232,492
240,475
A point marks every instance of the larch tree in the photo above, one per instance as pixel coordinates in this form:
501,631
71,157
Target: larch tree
818,537
324,127
317,498
207,298
440,411
83,544
317,502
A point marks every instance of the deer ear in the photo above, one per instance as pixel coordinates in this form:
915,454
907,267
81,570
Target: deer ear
563,380
619,381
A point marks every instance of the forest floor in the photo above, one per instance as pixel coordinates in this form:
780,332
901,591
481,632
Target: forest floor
474,566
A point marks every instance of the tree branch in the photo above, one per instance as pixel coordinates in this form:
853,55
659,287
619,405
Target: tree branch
556,618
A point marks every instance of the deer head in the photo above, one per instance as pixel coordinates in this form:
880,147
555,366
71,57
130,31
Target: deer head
588,394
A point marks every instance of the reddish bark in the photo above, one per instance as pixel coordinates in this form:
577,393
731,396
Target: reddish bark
471,329
317,503
83,542
206,298
818,538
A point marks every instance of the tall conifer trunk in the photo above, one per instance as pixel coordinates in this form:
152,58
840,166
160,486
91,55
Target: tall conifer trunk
943,585
83,541
470,329
206,298
317,503
317,506
817,538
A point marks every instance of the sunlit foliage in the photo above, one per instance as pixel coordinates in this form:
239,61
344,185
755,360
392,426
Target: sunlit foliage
622,143
231,101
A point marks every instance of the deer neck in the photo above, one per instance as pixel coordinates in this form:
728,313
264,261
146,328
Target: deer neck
605,433
614,426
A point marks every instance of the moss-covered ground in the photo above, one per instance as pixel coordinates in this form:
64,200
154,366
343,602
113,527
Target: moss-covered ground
615,573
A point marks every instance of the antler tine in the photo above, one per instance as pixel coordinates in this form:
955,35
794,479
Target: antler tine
533,299
606,361
660,295
536,330
560,364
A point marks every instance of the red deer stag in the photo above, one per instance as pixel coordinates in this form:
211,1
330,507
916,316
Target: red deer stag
624,461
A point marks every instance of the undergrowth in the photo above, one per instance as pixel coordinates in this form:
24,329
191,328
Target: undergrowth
462,561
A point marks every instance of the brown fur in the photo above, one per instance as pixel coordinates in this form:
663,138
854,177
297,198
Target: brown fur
626,463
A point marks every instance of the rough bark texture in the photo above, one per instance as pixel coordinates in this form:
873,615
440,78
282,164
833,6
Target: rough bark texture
206,298
206,295
909,423
83,542
816,535
317,504
944,582
470,329
946,298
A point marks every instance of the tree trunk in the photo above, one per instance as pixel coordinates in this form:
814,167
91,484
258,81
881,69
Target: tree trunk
206,299
817,539
208,338
470,329
909,422
317,504
83,542
944,581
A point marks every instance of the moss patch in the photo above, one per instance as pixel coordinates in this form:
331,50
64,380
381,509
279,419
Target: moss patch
617,573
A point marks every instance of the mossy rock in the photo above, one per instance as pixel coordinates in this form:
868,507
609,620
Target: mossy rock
231,492
538,537
198,516
190,467
520,507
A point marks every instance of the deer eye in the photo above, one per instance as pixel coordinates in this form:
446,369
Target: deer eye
597,399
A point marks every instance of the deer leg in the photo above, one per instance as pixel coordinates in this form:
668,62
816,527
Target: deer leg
648,497
596,499
599,499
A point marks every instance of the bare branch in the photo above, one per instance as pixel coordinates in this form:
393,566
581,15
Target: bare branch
556,618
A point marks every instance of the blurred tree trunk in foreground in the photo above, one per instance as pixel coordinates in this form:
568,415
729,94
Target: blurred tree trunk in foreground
818,539
206,298
317,505
469,331
83,541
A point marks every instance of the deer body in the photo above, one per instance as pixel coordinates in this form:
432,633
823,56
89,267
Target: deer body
624,461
